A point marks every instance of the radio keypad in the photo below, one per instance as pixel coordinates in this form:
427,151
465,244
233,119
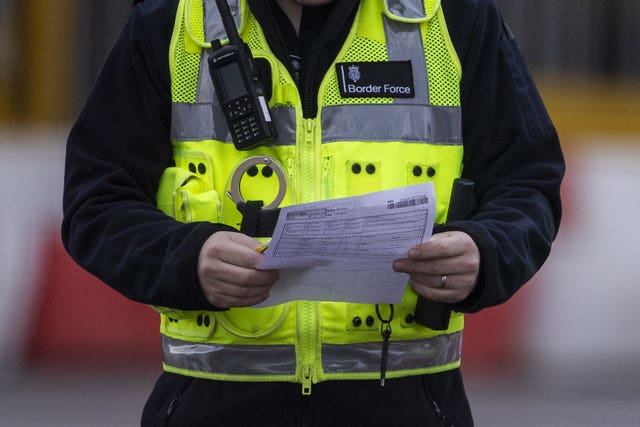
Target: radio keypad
245,126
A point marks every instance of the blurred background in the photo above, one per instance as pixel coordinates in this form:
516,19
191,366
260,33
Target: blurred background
564,351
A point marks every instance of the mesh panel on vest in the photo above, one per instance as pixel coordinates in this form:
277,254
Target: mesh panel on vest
251,34
184,84
444,80
254,38
361,50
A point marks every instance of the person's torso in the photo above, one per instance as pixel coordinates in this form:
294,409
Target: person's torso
388,116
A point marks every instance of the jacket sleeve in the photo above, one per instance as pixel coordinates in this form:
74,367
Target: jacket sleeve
512,153
116,152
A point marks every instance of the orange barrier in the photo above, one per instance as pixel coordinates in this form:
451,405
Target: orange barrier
79,320
493,338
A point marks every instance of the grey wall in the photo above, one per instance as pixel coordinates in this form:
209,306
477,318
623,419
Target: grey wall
592,37
589,37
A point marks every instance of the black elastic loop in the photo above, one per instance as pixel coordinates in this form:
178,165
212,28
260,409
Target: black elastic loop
391,314
250,216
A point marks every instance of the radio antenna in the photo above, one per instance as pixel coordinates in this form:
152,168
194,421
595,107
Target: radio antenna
229,23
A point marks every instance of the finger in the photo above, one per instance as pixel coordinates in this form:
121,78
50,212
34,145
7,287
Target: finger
233,290
224,299
433,281
244,240
217,289
456,287
218,270
435,267
234,249
442,245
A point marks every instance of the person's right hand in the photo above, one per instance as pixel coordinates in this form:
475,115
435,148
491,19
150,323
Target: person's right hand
227,271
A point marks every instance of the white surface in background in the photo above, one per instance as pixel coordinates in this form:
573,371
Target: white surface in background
586,316
31,176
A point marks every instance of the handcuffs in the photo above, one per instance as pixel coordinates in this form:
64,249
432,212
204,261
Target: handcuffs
234,192
258,220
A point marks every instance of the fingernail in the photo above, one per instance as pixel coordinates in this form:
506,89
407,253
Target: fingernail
414,252
399,265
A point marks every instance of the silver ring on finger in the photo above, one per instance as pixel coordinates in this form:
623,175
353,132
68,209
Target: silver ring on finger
443,281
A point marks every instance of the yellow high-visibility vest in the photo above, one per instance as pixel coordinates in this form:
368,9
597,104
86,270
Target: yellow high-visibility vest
353,146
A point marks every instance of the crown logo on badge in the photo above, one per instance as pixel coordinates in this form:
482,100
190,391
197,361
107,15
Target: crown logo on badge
354,73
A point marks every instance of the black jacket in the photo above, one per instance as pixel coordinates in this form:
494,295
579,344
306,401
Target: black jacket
120,145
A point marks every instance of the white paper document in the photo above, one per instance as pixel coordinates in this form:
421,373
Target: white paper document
343,249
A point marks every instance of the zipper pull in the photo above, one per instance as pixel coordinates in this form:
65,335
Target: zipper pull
309,127
306,381
172,407
385,331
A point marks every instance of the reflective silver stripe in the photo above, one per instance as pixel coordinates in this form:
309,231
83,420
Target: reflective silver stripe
415,354
196,122
285,121
206,92
365,122
406,9
229,359
336,358
404,41
213,24
392,122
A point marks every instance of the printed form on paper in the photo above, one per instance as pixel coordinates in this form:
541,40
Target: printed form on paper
343,249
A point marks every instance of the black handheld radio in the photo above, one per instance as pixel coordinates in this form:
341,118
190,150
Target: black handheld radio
239,88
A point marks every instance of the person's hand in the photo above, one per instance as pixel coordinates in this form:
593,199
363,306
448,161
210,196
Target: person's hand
227,271
443,269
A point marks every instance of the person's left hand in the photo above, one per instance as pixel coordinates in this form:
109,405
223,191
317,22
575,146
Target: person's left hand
443,269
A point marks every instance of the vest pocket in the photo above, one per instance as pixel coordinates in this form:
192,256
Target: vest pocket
364,318
418,173
183,195
252,322
198,206
361,317
191,324
363,176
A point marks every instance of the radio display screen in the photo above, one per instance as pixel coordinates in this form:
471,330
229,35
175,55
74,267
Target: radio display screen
232,80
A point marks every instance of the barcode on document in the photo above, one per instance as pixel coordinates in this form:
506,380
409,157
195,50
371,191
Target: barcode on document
405,203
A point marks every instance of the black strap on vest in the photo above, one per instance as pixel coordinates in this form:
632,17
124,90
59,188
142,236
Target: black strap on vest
257,222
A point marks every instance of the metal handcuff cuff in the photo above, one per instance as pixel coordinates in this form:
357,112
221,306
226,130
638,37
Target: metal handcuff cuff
251,210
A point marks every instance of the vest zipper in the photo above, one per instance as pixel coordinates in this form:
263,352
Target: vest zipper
308,188
307,347
292,181
326,179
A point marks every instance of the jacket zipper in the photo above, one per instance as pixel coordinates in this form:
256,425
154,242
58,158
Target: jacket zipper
175,402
